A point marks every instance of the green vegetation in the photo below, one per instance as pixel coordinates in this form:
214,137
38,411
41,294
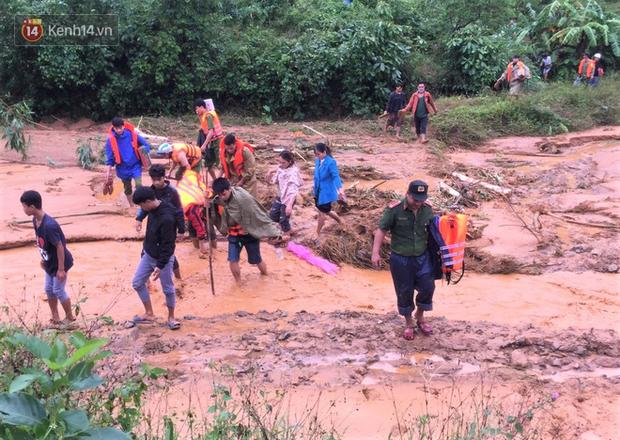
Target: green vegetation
13,119
292,59
554,109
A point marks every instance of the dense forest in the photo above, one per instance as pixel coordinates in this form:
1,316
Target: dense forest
294,58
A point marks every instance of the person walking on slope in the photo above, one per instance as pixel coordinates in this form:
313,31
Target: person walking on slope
412,264
238,163
396,101
515,75
158,256
327,185
288,179
209,134
124,153
239,216
596,70
583,70
421,105
56,260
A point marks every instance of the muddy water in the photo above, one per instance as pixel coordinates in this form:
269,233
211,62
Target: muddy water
338,337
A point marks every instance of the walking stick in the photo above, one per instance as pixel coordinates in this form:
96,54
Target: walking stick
208,215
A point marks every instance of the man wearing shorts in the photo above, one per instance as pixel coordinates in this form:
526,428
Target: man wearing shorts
123,152
245,221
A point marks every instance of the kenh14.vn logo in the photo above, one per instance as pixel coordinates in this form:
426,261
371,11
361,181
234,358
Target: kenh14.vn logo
32,29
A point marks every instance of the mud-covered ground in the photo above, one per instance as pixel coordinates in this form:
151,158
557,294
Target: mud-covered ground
539,314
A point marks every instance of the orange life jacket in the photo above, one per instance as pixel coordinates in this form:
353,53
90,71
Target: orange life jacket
193,153
453,230
590,68
234,230
114,143
520,65
192,190
414,102
580,68
217,126
238,157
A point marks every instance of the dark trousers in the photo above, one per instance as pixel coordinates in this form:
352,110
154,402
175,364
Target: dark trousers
278,214
420,125
409,274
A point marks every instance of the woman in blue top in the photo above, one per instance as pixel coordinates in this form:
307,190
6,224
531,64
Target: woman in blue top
327,184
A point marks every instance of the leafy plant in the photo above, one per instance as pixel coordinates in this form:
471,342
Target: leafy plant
40,399
85,156
13,120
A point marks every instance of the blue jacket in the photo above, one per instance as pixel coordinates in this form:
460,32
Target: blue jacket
326,180
130,166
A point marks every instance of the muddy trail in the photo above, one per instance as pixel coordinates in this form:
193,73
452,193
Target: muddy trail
537,312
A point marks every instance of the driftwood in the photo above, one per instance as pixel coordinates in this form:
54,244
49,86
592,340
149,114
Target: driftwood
81,239
82,214
523,222
576,222
489,186
314,131
448,189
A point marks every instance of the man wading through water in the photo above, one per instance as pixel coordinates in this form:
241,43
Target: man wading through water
414,262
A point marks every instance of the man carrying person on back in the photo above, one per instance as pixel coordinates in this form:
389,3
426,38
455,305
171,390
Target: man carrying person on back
123,152
238,163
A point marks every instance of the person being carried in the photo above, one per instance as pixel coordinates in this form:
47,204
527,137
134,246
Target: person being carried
124,153
413,266
515,75
288,179
209,134
56,260
238,163
420,104
166,192
183,156
396,102
158,256
194,195
327,185
239,216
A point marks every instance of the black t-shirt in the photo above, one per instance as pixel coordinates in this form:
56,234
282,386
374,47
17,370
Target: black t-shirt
48,235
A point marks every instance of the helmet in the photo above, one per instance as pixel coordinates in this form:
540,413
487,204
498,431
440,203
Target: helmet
164,149
597,55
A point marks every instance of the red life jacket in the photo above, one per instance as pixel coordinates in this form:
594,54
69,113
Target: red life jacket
453,230
234,230
520,65
238,157
114,143
414,101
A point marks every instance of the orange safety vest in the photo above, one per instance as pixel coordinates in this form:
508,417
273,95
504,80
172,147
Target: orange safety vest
234,230
453,230
114,143
192,190
192,153
520,65
217,126
238,157
414,101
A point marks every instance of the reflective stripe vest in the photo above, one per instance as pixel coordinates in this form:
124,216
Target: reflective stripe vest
590,68
520,65
217,126
234,230
114,143
453,230
192,153
238,157
191,190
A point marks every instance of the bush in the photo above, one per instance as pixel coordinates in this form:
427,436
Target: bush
13,120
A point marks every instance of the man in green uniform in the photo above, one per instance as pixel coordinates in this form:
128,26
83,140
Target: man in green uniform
412,265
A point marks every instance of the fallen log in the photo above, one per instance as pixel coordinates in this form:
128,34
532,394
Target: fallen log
576,222
489,186
448,189
82,214
314,131
81,239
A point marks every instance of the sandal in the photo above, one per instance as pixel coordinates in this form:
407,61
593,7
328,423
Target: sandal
425,328
409,334
174,325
